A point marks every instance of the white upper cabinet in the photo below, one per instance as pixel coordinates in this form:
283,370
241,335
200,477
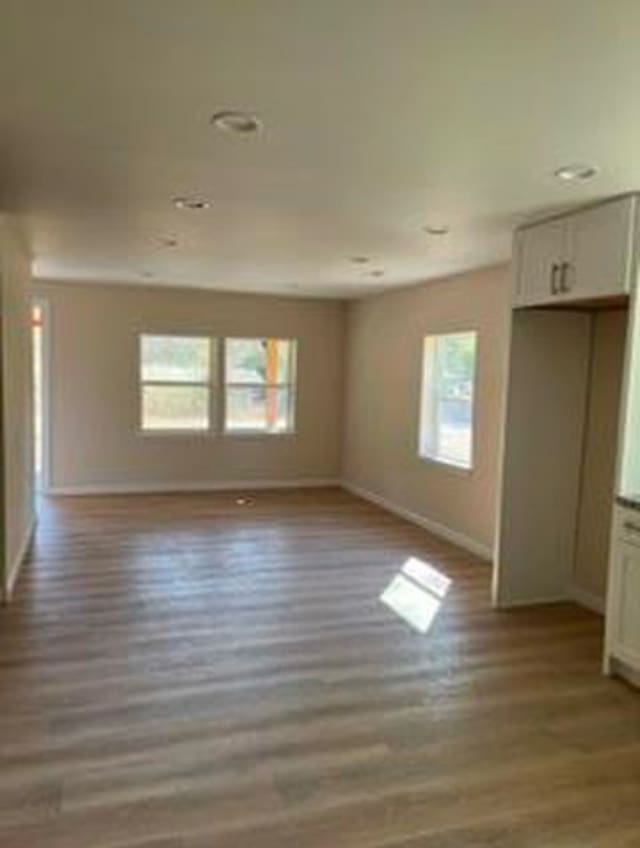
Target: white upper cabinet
581,256
601,250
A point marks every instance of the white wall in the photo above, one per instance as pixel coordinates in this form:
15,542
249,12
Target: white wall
16,445
385,335
94,398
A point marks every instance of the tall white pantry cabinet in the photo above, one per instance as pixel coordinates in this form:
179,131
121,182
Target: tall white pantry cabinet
569,271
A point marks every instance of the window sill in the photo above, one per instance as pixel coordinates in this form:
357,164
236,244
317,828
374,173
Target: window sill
210,433
175,434
460,470
252,434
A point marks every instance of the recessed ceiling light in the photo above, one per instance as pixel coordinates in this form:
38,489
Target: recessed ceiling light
233,120
576,172
436,229
359,260
193,203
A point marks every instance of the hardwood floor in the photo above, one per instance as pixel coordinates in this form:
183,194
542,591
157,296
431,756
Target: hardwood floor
179,671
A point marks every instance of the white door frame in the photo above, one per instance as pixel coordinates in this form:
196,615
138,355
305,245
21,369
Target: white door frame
45,371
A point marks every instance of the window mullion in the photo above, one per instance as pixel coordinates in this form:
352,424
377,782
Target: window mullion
184,384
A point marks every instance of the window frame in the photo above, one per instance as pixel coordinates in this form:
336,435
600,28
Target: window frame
211,386
292,386
442,462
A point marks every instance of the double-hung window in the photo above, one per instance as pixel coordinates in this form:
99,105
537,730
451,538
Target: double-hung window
260,378
447,399
176,383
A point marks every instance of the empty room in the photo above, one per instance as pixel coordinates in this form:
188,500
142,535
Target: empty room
319,424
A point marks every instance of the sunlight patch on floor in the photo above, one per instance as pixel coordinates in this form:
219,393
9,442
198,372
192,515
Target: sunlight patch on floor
416,593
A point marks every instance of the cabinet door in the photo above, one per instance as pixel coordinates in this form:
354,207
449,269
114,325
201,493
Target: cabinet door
600,251
540,251
625,604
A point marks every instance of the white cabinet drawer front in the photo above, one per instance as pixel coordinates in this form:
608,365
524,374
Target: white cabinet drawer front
630,530
628,601
627,525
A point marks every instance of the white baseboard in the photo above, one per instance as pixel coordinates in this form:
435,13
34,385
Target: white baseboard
15,566
574,594
192,486
587,599
522,603
434,527
629,672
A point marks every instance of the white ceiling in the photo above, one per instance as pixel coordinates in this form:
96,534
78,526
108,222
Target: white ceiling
380,116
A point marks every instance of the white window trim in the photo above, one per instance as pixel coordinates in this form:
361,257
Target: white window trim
217,387
449,465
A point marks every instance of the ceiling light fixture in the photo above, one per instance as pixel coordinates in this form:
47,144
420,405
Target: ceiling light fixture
359,260
576,172
233,120
377,272
436,229
193,203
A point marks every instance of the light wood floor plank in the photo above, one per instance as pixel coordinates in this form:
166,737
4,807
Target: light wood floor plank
179,671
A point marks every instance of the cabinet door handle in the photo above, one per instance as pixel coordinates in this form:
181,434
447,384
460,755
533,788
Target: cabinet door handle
554,281
565,285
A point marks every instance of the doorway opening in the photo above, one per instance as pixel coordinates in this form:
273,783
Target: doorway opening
38,349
